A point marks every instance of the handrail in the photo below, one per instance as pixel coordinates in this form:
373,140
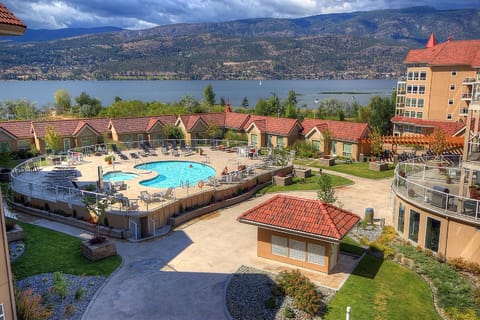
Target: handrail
437,198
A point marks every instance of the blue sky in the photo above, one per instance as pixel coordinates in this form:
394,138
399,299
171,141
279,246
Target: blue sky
142,14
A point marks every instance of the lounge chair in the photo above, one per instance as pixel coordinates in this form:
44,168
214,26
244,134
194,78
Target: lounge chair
165,151
143,153
212,181
175,153
165,195
134,155
146,197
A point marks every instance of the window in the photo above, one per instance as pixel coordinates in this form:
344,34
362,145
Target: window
418,129
2,313
421,89
423,75
279,141
140,137
254,140
452,87
407,113
5,146
454,73
23,145
127,138
409,89
66,144
420,103
416,75
316,254
279,246
413,114
432,236
419,115
408,102
316,145
401,218
414,226
414,89
334,147
297,250
269,140
410,76
449,116
347,150
414,102
87,141
450,101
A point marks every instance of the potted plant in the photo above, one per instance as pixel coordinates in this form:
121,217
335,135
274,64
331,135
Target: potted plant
109,159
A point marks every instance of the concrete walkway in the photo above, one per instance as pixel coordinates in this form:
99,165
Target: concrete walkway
182,275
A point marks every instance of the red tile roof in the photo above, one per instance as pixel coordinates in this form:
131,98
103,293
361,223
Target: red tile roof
64,127
462,52
274,125
19,129
302,216
9,24
139,124
234,120
340,130
448,127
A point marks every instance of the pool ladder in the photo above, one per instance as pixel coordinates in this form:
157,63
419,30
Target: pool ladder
184,184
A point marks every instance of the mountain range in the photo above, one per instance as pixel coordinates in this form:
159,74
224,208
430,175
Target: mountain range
354,45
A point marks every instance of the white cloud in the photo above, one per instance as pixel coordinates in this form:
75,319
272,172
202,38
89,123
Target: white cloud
135,14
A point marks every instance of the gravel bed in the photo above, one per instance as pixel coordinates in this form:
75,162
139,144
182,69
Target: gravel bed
74,304
248,290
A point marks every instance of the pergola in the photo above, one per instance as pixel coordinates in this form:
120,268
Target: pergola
453,143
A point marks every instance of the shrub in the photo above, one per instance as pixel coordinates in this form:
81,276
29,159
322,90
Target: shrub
9,224
277,291
80,293
97,240
271,303
60,284
69,310
457,314
288,313
29,306
307,298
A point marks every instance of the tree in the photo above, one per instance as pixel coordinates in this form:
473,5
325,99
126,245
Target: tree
63,102
261,108
326,193
222,101
213,131
172,132
439,143
382,112
327,141
292,98
376,142
291,111
85,100
53,139
245,102
209,95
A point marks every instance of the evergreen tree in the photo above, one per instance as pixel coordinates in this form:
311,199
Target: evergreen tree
209,95
63,102
326,193
245,102
222,101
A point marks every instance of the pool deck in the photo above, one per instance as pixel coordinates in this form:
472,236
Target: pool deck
88,169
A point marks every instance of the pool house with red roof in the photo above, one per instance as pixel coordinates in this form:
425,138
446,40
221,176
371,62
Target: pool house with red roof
301,232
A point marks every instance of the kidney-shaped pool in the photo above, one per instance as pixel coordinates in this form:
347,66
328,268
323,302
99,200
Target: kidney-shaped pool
176,173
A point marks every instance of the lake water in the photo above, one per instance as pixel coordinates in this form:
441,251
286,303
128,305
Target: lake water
308,91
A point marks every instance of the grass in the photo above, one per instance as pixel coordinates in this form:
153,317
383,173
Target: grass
49,251
351,246
380,289
309,183
358,169
453,291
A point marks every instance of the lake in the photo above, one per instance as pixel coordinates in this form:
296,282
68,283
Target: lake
308,91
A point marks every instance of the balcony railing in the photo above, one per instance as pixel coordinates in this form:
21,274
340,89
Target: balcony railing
422,181
469,80
473,153
466,96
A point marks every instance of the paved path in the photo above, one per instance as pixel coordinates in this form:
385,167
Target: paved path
182,275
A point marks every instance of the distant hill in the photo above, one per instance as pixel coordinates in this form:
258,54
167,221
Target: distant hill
33,35
354,45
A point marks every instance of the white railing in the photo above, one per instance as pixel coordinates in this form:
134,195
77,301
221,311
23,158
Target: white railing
422,182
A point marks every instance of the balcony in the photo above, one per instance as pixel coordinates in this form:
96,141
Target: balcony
473,154
469,80
429,184
467,96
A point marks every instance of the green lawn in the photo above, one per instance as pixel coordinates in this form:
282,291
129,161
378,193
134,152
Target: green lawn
351,246
359,169
49,251
383,290
305,184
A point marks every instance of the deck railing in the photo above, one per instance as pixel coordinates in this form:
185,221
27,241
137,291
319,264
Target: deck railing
423,181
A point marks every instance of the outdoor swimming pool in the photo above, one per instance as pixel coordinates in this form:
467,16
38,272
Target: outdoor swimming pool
119,176
176,173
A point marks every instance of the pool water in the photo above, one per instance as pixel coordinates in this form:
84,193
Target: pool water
176,173
119,176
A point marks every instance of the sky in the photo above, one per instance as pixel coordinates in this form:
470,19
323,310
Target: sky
143,14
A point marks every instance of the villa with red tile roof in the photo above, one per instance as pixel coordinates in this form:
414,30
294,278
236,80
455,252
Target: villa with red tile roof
129,129
16,135
263,131
298,231
438,85
346,137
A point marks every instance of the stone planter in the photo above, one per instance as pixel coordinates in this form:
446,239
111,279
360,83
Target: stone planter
327,162
16,234
377,166
94,252
303,173
283,181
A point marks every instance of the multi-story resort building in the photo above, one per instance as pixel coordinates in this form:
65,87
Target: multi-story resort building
438,85
435,199
9,25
